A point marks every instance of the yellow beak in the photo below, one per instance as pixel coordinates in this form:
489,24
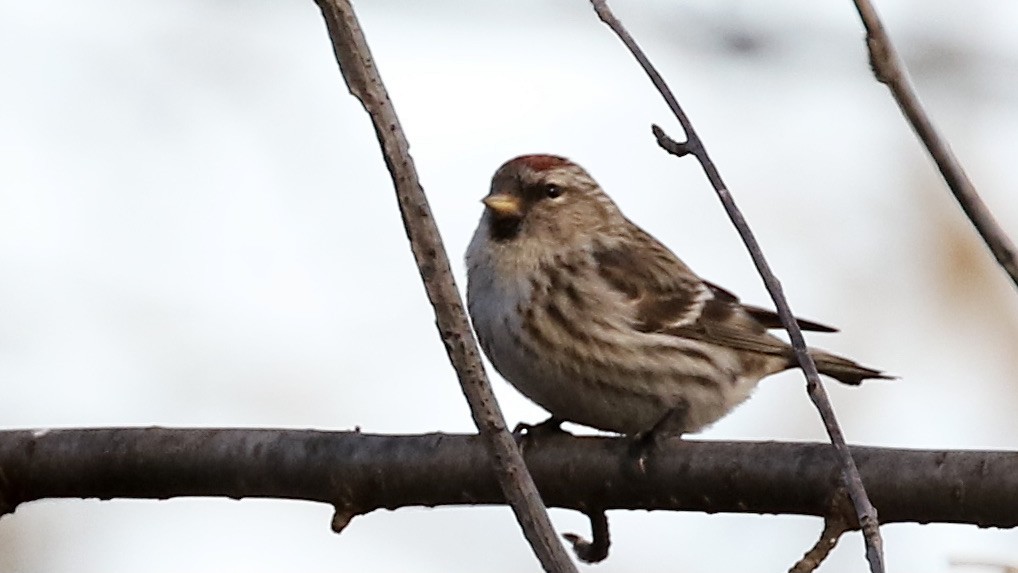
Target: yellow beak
504,205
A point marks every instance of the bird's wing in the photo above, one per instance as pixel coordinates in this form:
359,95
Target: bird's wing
662,291
769,318
668,298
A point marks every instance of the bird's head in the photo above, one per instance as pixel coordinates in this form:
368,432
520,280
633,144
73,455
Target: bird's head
545,197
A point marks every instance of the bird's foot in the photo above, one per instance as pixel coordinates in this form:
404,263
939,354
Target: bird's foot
524,432
645,443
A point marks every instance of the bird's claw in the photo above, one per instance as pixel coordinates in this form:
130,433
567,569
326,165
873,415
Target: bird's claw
524,432
644,443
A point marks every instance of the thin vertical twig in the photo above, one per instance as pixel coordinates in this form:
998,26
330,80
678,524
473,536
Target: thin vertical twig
365,83
865,512
890,71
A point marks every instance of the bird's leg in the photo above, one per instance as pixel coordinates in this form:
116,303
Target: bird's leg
647,441
524,431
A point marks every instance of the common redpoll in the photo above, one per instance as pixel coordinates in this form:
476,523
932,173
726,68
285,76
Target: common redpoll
599,323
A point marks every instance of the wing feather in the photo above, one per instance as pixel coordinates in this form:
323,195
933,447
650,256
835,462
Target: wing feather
668,297
663,291
767,317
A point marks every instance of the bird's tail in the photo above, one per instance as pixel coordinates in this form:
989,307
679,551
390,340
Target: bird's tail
844,370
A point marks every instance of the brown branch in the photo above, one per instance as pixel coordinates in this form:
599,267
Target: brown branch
865,511
363,472
838,521
833,530
365,83
595,550
890,70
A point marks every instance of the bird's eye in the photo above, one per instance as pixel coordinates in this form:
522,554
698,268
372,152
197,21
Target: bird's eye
552,191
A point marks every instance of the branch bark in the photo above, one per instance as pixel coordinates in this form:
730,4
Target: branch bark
365,83
890,71
365,472
865,511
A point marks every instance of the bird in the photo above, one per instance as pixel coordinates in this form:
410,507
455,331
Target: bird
600,324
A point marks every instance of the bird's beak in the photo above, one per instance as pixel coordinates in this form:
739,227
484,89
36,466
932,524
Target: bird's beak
504,205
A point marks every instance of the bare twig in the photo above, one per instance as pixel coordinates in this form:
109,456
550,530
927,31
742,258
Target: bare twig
867,514
365,83
358,473
595,550
838,520
890,71
833,530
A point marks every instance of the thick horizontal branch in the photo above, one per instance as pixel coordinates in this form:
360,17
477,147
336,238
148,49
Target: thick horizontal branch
358,472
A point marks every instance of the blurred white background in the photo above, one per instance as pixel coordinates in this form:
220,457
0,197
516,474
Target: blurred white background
197,229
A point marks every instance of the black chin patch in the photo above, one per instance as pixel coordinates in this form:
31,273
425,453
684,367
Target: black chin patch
504,228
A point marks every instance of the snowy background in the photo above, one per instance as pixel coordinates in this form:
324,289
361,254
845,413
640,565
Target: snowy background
197,229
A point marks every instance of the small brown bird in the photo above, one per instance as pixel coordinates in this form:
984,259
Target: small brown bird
600,324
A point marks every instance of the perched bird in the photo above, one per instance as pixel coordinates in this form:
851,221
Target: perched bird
600,324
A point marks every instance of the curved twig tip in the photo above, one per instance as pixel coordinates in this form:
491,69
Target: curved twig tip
343,515
676,148
596,550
